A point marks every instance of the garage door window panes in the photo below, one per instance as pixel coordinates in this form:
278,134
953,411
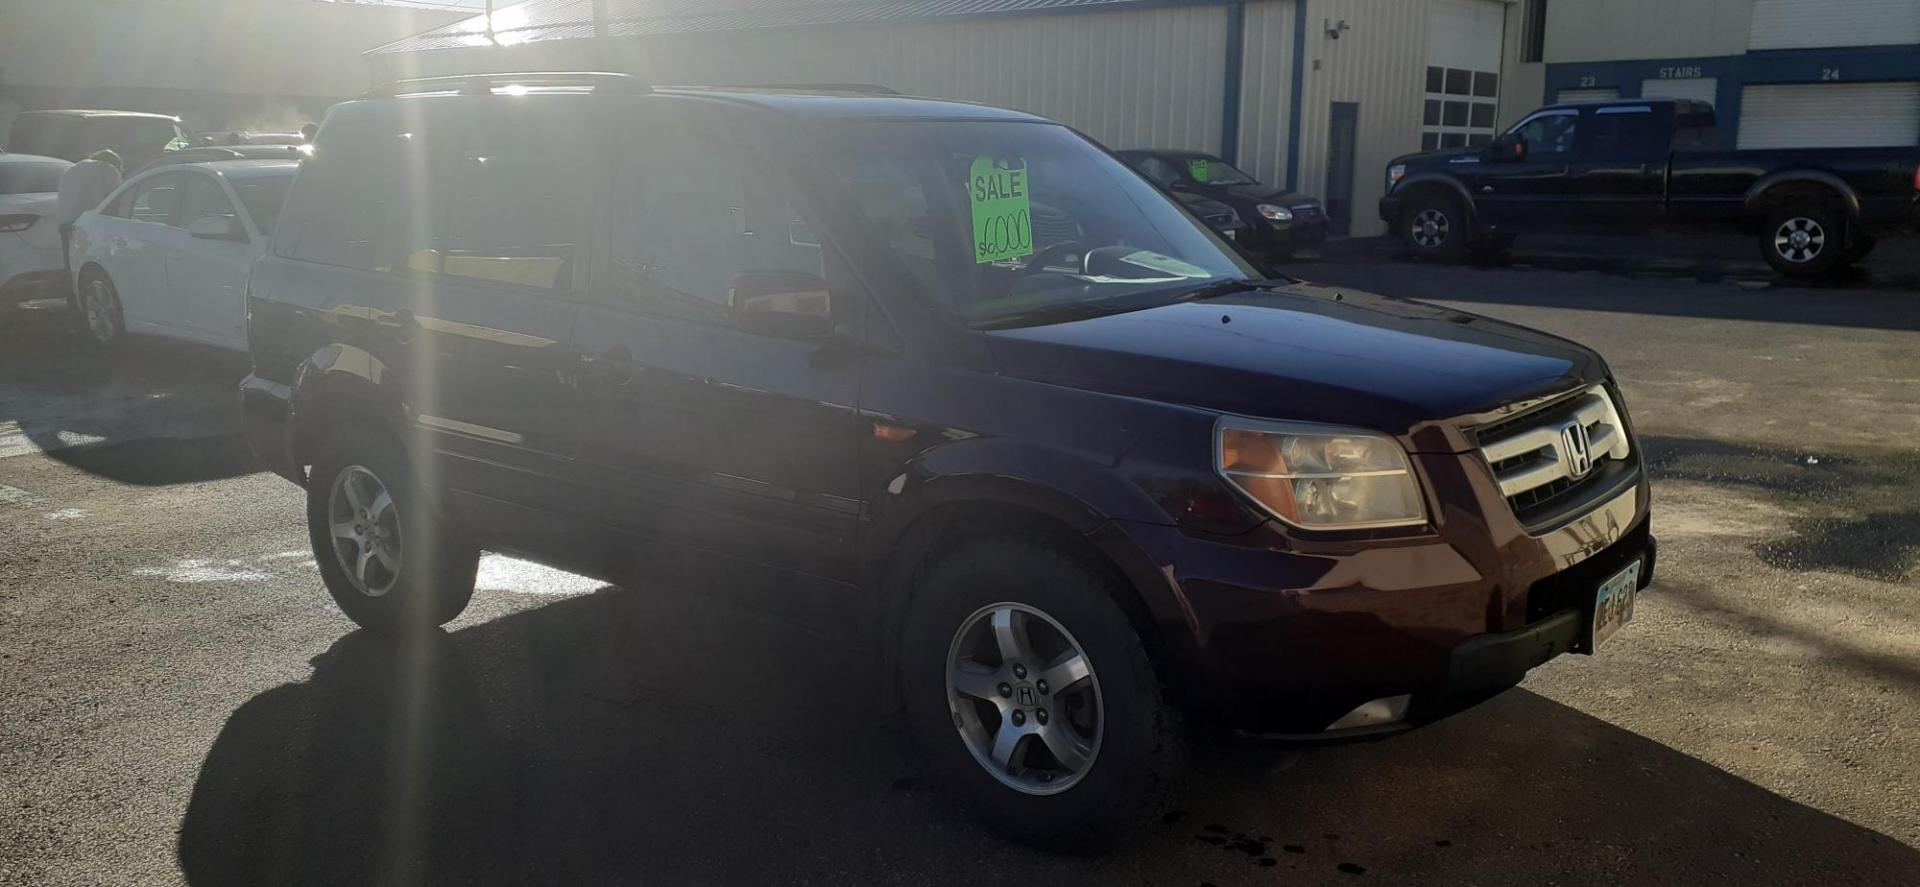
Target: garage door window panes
1460,108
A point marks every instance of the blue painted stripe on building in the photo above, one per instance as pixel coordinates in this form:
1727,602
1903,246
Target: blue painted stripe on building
1839,64
1230,87
1299,88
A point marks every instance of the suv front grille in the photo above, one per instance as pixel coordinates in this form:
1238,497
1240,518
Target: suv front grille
1539,459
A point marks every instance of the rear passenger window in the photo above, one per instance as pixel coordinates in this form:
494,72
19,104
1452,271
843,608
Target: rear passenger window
691,211
366,200
1618,134
521,200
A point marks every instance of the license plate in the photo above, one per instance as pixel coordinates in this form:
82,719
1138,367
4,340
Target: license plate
1613,604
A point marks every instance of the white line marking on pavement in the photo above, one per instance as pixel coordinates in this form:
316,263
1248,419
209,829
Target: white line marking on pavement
65,514
197,570
501,573
16,496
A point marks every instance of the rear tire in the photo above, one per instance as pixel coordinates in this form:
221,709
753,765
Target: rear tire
391,562
1803,240
97,306
1435,228
1861,247
1112,719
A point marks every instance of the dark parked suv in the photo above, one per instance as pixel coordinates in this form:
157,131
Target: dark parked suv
939,375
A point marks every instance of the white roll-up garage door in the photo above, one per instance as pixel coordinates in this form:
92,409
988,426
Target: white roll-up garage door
1804,24
1586,95
1830,115
1699,88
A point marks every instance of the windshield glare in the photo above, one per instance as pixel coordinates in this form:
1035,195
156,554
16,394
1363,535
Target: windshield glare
998,220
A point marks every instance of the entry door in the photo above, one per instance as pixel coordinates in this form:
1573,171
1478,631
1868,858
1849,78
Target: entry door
1343,129
1531,191
728,432
207,279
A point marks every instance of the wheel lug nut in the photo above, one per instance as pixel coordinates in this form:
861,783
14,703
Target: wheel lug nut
1019,671
1006,690
1041,686
1019,718
1040,714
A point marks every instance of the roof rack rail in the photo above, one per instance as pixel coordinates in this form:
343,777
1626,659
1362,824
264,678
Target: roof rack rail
860,88
485,84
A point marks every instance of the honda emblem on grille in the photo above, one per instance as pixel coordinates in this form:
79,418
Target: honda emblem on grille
1578,449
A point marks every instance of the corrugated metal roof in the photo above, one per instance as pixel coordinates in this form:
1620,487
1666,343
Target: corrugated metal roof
543,20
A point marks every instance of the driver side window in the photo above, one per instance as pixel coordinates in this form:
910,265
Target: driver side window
205,198
154,200
1549,134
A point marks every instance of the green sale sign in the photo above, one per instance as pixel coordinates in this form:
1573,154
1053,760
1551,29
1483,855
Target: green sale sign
1002,220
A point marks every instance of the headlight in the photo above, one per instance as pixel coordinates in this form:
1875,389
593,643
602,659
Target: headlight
1319,477
1274,213
1395,173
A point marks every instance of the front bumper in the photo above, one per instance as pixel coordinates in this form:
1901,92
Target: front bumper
1390,209
1278,635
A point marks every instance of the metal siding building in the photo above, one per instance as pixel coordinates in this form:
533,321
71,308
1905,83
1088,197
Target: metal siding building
1781,73
1130,73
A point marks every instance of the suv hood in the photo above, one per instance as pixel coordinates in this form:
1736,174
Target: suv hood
1258,193
1305,353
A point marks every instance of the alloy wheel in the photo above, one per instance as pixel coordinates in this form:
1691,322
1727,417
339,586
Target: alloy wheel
1024,698
365,528
1800,240
1430,228
99,311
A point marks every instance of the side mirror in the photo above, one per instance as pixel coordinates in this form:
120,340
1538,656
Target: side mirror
1505,149
216,228
783,304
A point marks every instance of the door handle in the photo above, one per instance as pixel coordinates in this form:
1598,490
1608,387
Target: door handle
1486,189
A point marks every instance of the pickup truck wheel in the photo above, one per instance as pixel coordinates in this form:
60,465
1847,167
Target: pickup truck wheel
1803,241
1031,696
392,564
1435,227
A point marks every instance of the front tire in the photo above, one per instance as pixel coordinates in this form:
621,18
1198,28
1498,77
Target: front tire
1803,240
1435,228
1032,697
97,304
391,562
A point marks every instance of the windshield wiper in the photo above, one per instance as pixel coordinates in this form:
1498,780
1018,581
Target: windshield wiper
1222,288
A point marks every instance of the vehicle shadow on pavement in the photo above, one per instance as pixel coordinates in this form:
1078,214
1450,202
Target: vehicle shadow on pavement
149,414
634,737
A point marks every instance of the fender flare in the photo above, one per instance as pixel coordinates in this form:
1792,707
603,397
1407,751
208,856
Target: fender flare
1757,194
1433,179
333,375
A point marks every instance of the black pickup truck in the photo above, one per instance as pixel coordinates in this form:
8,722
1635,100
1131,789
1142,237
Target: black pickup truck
1629,165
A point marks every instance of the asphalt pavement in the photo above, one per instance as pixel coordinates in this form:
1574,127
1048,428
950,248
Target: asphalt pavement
180,702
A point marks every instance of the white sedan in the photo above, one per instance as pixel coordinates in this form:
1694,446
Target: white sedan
29,226
168,254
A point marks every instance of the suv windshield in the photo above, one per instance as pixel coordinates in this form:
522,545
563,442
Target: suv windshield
1011,223
1214,171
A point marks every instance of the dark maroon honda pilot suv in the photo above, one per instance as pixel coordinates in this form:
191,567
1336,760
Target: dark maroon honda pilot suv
947,378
